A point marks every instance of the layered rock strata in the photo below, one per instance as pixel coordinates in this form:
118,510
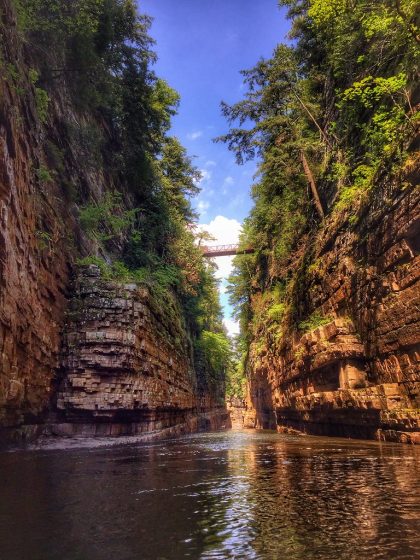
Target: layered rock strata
34,255
237,410
128,367
112,364
359,374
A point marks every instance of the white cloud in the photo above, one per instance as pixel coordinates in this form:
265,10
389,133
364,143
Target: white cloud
225,230
231,326
229,180
224,267
202,206
194,135
210,163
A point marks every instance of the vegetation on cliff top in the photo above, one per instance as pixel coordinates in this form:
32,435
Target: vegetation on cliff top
90,70
329,116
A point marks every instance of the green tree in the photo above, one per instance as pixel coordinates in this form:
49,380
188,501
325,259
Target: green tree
180,178
326,116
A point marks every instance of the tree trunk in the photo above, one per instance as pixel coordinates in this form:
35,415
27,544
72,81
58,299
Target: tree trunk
312,184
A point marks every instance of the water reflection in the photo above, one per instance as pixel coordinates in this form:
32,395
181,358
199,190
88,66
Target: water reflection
213,496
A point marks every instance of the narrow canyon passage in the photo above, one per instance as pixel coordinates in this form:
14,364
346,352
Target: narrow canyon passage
212,496
209,280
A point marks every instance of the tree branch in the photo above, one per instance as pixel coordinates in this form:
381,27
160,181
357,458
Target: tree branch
312,184
313,119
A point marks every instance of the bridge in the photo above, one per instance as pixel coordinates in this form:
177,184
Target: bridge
225,250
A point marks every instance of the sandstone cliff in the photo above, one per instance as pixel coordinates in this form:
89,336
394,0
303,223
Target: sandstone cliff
34,263
80,354
329,301
358,373
128,365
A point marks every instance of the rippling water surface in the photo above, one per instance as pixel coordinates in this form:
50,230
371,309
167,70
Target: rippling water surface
212,496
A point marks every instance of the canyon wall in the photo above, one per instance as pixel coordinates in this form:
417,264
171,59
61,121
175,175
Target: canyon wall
34,265
79,354
128,365
357,374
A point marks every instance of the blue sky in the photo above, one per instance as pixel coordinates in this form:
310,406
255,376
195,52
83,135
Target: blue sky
201,46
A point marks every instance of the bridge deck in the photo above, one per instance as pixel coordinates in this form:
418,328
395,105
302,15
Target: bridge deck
225,250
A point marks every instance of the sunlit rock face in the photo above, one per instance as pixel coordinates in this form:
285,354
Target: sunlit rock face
113,364
34,269
359,374
128,365
237,409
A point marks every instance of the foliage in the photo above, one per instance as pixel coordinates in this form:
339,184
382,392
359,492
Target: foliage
42,98
240,286
235,375
103,266
340,95
314,321
276,312
106,220
277,104
179,177
100,50
43,174
216,349
44,239
49,15
367,53
11,73
115,271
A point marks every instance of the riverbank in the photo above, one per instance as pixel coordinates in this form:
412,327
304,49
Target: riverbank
82,434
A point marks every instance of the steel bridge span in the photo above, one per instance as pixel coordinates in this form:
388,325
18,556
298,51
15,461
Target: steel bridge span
224,250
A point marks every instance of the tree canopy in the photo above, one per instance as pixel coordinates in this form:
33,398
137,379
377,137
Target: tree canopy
327,116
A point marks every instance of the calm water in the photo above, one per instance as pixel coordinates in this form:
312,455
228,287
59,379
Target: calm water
212,496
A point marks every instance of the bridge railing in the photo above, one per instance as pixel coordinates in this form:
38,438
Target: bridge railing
224,250
218,248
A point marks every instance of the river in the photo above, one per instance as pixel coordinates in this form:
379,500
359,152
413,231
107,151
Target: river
244,495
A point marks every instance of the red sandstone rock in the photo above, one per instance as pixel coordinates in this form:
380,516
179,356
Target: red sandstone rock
360,374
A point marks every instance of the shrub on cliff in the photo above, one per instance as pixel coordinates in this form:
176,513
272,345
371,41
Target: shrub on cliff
329,116
105,117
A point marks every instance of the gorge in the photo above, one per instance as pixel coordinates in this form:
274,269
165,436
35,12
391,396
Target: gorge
110,323
139,419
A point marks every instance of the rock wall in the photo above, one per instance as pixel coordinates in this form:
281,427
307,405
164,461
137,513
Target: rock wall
359,374
34,269
75,357
128,364
237,409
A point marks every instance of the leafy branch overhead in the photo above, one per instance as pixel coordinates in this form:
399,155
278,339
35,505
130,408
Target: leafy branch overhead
328,116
